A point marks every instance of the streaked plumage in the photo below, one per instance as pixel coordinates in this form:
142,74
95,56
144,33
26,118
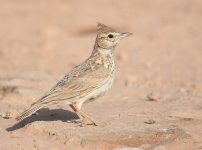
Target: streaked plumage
87,81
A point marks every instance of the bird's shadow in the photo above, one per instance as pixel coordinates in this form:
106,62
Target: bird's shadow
46,114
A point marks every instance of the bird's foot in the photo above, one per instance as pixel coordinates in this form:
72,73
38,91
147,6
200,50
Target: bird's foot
85,122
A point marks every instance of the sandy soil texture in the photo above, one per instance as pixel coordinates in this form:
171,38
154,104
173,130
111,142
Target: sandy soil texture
156,100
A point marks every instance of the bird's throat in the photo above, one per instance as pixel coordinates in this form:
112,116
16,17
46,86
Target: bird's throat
103,51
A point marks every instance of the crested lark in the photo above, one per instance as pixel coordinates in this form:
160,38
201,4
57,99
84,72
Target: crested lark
87,81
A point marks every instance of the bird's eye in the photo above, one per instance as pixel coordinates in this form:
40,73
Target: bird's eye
110,36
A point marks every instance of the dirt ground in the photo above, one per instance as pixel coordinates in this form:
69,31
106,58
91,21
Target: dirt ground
156,100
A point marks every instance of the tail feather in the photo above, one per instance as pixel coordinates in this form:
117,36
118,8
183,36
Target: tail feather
29,112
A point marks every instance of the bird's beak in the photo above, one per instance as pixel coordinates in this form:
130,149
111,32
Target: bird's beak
125,34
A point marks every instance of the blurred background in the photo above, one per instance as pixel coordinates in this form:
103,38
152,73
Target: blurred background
50,35
41,40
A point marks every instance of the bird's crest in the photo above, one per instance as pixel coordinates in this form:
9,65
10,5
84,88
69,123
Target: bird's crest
101,28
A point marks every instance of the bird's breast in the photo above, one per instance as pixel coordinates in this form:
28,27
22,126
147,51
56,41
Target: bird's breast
102,90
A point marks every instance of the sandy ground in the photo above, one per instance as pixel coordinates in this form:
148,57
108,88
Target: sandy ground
156,100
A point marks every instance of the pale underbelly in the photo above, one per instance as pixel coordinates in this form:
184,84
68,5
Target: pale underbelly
100,92
94,95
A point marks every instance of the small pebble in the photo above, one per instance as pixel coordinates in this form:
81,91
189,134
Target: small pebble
150,121
5,115
153,97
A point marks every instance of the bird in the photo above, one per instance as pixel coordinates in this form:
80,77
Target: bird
86,81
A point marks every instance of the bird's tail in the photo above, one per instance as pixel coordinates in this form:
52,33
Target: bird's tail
29,112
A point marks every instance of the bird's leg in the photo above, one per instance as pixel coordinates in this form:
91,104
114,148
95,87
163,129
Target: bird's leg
75,110
83,115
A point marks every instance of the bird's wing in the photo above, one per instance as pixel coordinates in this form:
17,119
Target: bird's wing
81,82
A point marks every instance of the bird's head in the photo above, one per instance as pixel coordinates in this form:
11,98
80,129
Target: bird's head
107,37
